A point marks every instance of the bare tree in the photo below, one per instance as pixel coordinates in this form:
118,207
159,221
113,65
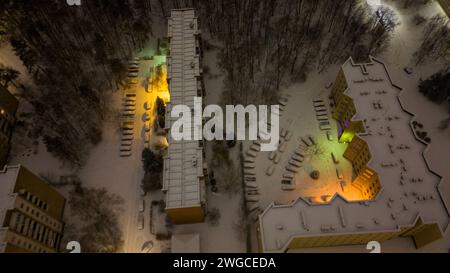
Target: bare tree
436,41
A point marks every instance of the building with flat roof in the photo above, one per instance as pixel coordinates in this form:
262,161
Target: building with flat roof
31,212
400,194
185,170
8,108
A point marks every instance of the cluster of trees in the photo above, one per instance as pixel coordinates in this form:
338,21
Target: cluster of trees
97,210
221,154
161,112
267,43
437,87
411,3
8,76
444,124
435,42
213,216
153,166
76,56
420,132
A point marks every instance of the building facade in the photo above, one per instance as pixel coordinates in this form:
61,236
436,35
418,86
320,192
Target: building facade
185,172
8,108
31,212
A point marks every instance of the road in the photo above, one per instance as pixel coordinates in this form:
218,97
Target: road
134,238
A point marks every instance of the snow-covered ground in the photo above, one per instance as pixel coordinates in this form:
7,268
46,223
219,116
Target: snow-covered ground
227,235
299,119
104,167
122,176
406,39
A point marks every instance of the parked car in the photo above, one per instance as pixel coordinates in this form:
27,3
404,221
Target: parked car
141,221
141,205
250,178
141,192
339,173
329,136
128,113
132,81
147,247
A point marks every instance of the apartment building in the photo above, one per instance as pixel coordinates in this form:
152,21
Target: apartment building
185,171
31,212
8,108
400,194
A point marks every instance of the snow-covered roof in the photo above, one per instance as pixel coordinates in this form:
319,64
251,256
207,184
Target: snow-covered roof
183,62
400,201
183,166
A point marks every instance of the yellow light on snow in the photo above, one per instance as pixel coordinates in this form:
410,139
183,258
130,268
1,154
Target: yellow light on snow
158,83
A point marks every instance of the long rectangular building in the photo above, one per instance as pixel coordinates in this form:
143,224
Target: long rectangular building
184,167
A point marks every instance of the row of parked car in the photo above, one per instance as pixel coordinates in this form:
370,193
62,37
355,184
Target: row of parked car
127,124
128,111
251,187
133,71
133,68
321,114
141,209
